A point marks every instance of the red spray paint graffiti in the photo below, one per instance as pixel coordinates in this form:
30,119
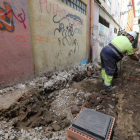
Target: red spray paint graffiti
6,18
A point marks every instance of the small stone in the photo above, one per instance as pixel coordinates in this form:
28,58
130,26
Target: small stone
49,135
56,138
67,86
12,138
63,116
49,128
130,112
75,109
35,139
47,117
103,92
56,127
99,107
116,133
1,132
113,95
6,136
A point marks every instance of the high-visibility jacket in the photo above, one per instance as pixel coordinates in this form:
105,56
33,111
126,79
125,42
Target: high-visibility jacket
117,48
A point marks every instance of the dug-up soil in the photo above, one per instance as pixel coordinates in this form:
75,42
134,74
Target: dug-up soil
53,109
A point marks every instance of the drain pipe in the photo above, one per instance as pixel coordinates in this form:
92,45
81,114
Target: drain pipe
91,29
89,37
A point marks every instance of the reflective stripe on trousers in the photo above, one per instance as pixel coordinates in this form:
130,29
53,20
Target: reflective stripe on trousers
108,70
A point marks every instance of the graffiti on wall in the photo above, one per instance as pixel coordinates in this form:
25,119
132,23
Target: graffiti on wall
67,31
103,36
95,38
41,39
7,16
61,12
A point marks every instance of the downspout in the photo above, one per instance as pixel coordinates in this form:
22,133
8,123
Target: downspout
91,29
91,47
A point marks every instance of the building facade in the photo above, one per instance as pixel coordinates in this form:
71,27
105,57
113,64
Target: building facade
131,16
106,24
38,36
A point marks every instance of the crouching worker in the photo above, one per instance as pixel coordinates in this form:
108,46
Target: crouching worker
113,53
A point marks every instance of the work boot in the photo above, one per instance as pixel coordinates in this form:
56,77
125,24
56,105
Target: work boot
110,88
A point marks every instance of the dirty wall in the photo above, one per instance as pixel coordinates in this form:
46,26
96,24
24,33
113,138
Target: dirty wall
16,62
37,36
102,35
58,35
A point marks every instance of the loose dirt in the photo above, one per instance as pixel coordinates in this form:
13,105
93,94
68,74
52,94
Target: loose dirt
55,109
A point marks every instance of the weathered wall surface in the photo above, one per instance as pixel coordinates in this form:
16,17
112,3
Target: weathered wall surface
102,35
16,63
95,32
58,35
103,39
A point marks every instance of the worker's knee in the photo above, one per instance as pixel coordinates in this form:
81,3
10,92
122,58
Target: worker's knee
110,71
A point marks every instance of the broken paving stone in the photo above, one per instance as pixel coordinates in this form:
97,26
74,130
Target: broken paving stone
56,127
75,109
47,117
66,123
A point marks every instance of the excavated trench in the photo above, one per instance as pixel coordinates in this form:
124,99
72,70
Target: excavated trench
52,106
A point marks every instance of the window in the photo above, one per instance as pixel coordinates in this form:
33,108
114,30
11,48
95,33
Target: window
103,21
115,30
76,4
109,3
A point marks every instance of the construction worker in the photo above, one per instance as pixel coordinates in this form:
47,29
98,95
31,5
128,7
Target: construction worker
113,53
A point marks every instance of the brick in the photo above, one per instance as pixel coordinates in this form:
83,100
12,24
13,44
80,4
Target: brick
68,138
74,115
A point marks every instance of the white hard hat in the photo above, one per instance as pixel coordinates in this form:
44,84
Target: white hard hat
133,33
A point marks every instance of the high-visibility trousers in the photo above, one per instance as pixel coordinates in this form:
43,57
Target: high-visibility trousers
108,69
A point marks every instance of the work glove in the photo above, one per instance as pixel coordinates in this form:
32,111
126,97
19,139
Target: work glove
139,61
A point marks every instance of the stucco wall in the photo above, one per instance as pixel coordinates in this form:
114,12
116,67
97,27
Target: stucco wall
103,38
95,32
16,63
58,35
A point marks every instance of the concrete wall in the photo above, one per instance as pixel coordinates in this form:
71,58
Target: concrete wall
16,63
58,35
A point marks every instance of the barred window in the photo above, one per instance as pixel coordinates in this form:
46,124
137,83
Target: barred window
76,4
103,21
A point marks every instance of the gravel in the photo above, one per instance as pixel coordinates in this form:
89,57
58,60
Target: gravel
38,133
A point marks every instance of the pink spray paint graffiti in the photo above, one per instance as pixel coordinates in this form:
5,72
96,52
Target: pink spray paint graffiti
6,18
56,10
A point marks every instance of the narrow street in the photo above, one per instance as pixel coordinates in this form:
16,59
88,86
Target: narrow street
43,110
58,59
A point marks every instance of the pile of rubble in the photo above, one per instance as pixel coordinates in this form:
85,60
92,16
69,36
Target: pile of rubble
45,106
